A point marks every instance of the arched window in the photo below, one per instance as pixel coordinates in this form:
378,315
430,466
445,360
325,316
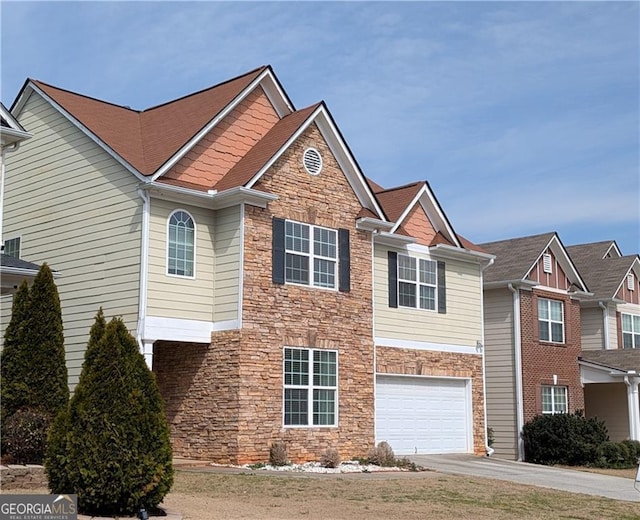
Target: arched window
181,244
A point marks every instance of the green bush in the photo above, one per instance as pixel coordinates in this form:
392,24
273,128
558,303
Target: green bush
618,455
569,439
25,436
112,445
634,452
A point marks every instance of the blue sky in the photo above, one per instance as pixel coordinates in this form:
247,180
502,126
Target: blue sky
523,116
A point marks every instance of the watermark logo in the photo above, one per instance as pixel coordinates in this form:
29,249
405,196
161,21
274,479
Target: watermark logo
38,507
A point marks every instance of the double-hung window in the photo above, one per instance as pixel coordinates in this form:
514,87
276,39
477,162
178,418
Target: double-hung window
551,320
554,399
417,282
12,247
181,244
311,255
310,387
630,331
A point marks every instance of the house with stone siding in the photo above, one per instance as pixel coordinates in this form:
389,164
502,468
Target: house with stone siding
533,339
276,292
610,324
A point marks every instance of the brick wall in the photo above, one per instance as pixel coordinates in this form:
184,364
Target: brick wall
391,360
542,360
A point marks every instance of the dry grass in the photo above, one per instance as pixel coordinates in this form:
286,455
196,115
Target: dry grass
406,496
431,495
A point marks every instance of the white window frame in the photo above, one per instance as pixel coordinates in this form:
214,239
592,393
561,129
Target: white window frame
310,388
554,391
418,282
312,256
168,237
12,239
633,331
549,321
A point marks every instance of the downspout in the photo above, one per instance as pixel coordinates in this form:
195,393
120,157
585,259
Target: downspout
488,449
517,355
3,158
605,329
145,347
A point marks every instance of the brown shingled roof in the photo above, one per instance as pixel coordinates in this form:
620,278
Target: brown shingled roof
395,201
255,159
147,139
625,359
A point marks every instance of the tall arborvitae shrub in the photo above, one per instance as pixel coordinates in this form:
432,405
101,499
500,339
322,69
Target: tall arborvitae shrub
60,474
46,371
14,360
117,451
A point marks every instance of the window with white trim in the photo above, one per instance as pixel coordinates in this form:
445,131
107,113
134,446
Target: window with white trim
554,399
181,244
310,387
311,255
551,320
417,282
12,247
630,331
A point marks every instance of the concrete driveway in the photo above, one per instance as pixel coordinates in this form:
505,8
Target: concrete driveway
565,480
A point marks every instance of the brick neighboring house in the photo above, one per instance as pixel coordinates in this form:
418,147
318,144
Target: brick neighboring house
275,291
533,336
610,359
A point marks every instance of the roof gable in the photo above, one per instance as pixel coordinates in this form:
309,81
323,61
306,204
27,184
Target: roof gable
516,258
149,142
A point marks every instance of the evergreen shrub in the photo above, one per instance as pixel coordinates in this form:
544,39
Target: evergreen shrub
569,439
112,445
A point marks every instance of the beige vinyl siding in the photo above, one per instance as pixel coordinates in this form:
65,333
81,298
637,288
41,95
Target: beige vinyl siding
76,208
591,321
171,296
499,371
608,402
462,323
228,252
212,295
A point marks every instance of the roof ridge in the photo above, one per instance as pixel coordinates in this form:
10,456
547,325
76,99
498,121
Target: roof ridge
537,235
404,186
85,96
146,110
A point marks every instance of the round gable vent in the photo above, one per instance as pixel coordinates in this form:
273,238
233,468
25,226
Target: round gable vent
312,161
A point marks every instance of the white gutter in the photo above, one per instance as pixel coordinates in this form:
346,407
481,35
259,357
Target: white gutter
144,277
517,358
445,250
489,450
605,328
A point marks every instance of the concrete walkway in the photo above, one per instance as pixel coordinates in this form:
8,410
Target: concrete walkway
544,476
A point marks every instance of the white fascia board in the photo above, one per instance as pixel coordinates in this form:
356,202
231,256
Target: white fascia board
635,267
213,200
178,329
393,240
373,224
456,253
81,127
424,345
615,248
518,284
594,373
271,89
336,145
564,260
429,204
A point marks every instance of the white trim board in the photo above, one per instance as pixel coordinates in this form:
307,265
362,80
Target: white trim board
422,345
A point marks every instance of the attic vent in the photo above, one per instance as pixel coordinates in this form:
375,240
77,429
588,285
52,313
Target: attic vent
546,263
630,281
312,161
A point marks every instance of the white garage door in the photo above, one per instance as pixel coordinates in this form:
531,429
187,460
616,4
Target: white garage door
423,415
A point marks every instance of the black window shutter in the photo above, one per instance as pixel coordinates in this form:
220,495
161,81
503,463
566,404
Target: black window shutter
344,276
277,242
393,278
442,288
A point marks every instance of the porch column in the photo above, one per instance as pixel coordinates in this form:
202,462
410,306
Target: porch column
633,405
147,351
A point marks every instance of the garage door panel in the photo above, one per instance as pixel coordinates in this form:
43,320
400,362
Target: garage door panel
422,415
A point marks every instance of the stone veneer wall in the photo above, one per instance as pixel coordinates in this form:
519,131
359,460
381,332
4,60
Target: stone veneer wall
15,476
391,360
